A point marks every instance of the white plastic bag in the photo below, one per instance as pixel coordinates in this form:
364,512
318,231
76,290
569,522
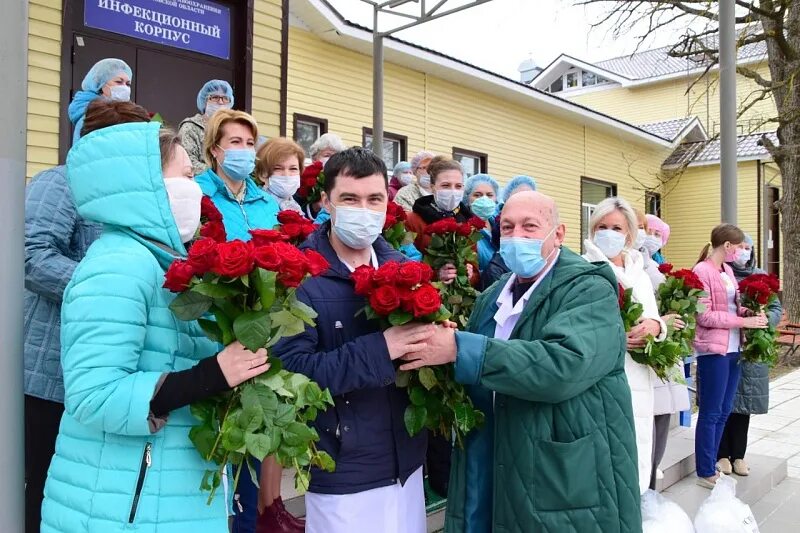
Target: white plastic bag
723,512
661,515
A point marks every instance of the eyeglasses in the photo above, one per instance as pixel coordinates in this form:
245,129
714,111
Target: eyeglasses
218,99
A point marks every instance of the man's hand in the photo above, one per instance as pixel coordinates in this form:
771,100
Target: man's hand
401,340
440,350
448,273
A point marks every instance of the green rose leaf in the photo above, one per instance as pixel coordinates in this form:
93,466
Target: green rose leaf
427,377
252,329
399,318
414,419
264,283
190,305
288,324
203,437
296,434
284,415
216,290
211,329
301,310
258,445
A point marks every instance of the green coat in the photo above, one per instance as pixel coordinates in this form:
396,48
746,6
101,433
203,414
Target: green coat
558,454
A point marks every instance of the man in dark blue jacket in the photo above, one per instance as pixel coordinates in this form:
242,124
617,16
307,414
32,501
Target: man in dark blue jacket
377,484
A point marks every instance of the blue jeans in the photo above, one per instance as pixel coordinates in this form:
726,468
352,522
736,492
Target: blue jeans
246,494
718,377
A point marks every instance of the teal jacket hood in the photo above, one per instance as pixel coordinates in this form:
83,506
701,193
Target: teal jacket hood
116,180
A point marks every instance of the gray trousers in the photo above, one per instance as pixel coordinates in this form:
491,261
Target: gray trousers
660,434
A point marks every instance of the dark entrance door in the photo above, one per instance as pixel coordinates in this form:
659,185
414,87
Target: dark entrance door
165,79
773,232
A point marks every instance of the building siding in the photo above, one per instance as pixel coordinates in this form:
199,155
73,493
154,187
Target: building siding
266,66
334,83
669,100
44,81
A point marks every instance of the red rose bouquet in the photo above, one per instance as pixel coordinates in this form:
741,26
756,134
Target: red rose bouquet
399,293
312,181
454,243
679,295
758,292
394,228
211,225
249,288
295,226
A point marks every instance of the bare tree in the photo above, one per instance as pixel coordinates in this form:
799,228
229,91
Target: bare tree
774,22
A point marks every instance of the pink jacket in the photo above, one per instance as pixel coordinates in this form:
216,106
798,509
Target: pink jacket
714,325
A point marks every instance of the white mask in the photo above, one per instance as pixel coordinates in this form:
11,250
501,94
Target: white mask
120,93
652,244
357,227
283,186
213,108
184,202
448,199
405,178
425,181
641,235
324,160
743,257
610,242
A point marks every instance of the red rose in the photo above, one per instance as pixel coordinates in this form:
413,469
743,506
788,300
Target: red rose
214,230
362,277
294,265
621,295
441,227
757,291
689,279
424,301
386,274
235,259
390,221
666,268
394,210
476,222
298,231
178,276
263,237
465,230
290,216
209,211
268,257
317,264
410,274
384,300
203,255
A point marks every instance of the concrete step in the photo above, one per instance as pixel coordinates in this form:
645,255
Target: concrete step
765,474
678,461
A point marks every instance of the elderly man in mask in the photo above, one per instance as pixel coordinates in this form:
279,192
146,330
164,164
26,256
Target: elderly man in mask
544,360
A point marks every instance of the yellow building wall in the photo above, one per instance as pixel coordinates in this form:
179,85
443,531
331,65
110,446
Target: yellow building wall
44,81
267,66
44,77
691,206
334,83
669,100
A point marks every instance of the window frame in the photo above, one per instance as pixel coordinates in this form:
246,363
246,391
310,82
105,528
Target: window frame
648,196
388,136
482,157
585,222
309,119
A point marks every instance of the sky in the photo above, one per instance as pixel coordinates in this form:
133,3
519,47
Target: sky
501,34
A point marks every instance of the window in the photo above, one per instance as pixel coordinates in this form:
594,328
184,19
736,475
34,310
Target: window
394,147
557,85
652,204
308,129
571,80
592,193
472,162
588,78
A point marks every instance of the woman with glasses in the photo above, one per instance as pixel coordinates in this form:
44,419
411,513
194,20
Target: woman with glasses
215,95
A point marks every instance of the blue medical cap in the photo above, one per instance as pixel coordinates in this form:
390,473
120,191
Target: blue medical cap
748,239
516,183
402,166
220,87
102,71
476,179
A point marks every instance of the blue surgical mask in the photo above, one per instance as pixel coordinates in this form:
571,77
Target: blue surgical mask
425,181
742,257
523,256
357,227
652,244
239,163
484,207
610,242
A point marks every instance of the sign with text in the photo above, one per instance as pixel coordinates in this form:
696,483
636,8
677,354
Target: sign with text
197,25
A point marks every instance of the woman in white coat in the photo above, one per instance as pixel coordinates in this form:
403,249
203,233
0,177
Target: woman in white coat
612,235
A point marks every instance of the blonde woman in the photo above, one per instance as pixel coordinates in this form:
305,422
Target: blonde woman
612,236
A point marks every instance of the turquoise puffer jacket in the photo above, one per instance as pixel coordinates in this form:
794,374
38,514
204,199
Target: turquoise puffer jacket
258,210
114,469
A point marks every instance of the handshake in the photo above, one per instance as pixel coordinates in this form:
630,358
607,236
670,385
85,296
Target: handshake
419,345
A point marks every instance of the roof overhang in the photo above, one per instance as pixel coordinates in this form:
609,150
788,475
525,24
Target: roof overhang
563,63
323,20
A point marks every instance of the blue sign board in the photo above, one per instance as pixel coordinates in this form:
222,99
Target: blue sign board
197,25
